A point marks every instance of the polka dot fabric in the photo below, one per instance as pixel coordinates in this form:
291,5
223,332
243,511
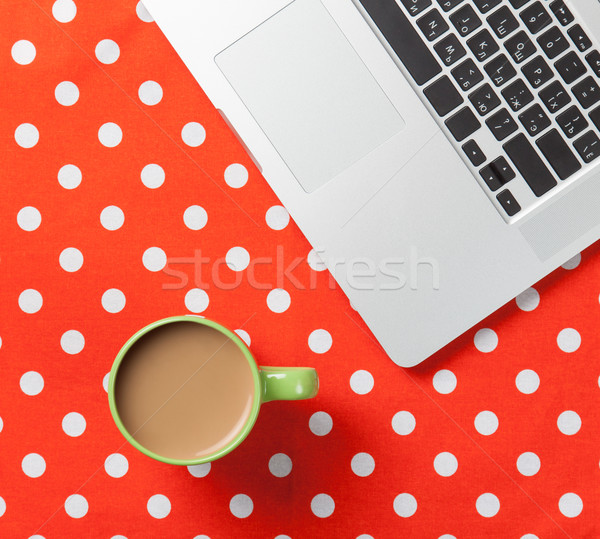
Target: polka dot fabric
126,199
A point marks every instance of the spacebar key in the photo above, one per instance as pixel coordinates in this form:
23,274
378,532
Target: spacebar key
403,38
529,164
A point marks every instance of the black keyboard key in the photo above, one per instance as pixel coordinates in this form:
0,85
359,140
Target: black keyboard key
572,122
508,202
484,99
570,67
553,43
595,117
558,154
432,24
485,5
534,120
497,173
588,146
414,7
474,153
465,20
443,96
404,39
535,17
467,75
500,70
561,12
449,49
503,22
593,59
517,4
587,92
537,72
554,96
530,165
501,124
490,178
447,5
520,47
579,37
463,124
483,45
517,95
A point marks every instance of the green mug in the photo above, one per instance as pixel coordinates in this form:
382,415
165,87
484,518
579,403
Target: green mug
270,384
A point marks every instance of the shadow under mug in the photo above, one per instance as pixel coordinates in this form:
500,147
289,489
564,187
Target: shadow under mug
270,384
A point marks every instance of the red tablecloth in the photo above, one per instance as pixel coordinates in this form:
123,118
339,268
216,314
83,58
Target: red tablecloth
117,173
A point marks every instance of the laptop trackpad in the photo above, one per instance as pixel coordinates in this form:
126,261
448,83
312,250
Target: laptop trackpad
310,92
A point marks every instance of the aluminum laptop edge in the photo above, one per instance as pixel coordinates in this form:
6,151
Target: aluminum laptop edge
383,193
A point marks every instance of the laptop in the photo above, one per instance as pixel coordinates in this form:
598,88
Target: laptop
441,156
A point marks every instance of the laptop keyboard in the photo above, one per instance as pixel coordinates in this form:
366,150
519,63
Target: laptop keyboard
516,84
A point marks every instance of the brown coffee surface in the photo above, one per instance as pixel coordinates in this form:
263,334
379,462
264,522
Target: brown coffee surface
184,390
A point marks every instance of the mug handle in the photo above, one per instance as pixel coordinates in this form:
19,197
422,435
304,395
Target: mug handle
288,383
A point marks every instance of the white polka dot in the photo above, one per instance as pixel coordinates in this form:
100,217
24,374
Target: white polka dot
405,505
280,465
529,536
320,341
73,424
33,465
568,340
116,465
118,537
72,342
237,259
445,464
150,93
64,10
241,506
27,135
195,217
444,381
69,176
193,134
244,336
154,259
486,340
277,217
236,175
110,134
107,51
113,300
528,300
70,259
142,12
362,382
112,217
76,506
159,506
196,300
315,262
322,505
38,536
2,506
23,52
528,464
199,470
29,218
572,263
30,301
283,537
320,423
570,505
201,537
447,536
364,536
278,300
105,381
152,176
1,424
403,423
362,464
66,93
527,381
486,423
31,383
569,422
488,505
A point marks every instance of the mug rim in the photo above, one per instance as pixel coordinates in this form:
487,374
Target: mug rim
231,335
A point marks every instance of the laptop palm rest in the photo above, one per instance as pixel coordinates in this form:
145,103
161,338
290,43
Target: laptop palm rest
310,92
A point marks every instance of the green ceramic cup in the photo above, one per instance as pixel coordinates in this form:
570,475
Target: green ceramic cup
270,384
